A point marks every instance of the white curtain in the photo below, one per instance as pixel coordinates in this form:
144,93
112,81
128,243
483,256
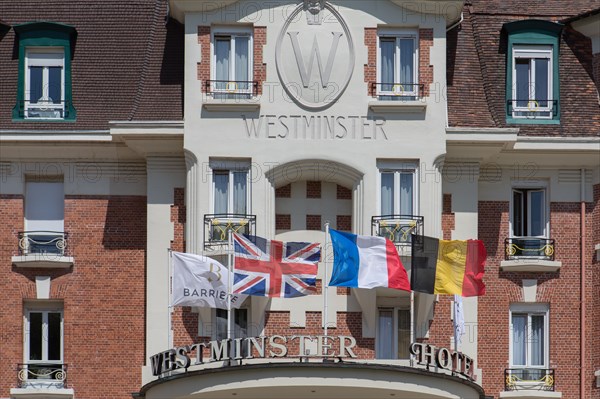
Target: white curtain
387,194
407,73
221,181
240,194
241,61
519,343
406,194
222,49
537,340
385,335
388,49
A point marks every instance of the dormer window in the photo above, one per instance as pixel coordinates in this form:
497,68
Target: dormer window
532,82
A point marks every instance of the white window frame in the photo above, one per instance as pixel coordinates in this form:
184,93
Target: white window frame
230,189
232,32
45,309
396,89
531,309
530,52
31,60
398,168
529,186
395,322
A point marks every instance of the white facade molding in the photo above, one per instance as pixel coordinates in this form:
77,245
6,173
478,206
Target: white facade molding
530,394
530,265
398,106
43,261
41,393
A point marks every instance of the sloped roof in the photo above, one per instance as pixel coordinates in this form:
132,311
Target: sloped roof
127,63
477,68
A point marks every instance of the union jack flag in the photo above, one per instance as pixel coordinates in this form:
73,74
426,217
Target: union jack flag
274,268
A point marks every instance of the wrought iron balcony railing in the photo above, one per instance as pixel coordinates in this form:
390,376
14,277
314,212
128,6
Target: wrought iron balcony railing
43,242
217,227
397,91
42,375
529,379
44,109
231,89
397,228
529,248
532,109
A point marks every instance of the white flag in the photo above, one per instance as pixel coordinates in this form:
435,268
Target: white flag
459,318
201,281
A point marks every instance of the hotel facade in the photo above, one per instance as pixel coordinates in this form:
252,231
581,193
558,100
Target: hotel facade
129,130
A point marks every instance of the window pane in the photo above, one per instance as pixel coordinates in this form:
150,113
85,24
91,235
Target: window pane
387,193
519,343
54,336
221,180
403,334
541,81
241,323
537,213
517,213
388,60
406,194
240,193
221,324
222,50
55,84
241,61
385,335
35,336
537,340
35,83
522,81
407,50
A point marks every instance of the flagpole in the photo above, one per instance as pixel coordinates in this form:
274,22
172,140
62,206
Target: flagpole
229,266
325,283
170,300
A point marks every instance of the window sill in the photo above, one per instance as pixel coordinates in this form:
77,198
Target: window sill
530,265
231,105
398,106
46,261
530,394
532,121
39,393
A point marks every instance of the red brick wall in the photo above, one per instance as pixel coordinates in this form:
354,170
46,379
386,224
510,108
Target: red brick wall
560,290
594,302
343,193
103,294
260,68
313,189
344,222
204,64
284,191
313,222
447,217
371,65
425,67
283,222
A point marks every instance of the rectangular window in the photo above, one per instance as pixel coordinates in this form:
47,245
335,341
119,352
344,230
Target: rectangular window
240,325
44,83
397,192
232,63
44,344
397,71
529,336
44,217
529,216
532,82
393,333
230,192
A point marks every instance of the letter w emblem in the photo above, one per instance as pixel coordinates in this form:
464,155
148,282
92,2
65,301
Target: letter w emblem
305,73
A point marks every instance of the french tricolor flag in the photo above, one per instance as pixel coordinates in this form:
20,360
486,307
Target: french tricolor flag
366,262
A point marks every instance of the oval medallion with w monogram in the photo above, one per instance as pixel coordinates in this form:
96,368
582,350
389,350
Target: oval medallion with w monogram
315,55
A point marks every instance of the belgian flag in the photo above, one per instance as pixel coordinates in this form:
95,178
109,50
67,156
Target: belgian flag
447,267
